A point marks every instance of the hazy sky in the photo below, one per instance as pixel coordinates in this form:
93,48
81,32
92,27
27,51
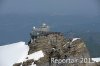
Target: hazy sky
80,7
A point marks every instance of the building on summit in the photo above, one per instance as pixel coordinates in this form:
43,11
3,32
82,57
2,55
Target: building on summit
43,30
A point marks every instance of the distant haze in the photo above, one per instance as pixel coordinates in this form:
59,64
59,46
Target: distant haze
67,7
75,18
98,4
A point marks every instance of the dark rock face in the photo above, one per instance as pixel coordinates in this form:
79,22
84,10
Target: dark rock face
17,64
98,64
55,45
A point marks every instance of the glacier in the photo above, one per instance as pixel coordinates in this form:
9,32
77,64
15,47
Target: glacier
12,53
17,53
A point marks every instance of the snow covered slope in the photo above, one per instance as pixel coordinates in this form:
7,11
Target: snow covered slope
36,55
96,59
10,54
74,39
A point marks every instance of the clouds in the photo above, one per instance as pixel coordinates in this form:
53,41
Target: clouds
98,4
50,6
1,1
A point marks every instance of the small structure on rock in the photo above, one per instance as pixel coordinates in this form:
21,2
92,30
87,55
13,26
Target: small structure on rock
43,30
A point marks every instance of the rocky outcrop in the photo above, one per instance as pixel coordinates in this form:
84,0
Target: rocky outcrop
55,45
98,64
56,48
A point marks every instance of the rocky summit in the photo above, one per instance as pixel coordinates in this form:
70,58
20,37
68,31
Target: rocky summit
57,49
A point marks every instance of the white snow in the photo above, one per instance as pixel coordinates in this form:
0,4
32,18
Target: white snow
74,39
33,64
16,53
12,53
96,59
36,55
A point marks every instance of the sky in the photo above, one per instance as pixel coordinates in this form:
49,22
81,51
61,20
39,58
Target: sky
68,7
52,7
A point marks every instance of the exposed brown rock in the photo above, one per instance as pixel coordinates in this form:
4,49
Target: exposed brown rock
17,64
55,45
